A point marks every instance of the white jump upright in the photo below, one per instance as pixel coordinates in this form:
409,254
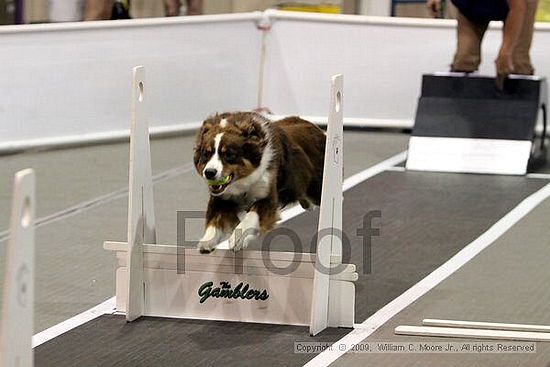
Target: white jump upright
16,326
329,244
141,210
248,286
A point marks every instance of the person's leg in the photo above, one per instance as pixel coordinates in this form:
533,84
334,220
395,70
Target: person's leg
468,46
194,7
98,9
172,7
520,55
451,12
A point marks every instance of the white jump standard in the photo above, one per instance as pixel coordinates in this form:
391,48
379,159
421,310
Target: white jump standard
16,326
212,286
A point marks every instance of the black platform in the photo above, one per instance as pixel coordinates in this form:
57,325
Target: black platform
460,117
472,107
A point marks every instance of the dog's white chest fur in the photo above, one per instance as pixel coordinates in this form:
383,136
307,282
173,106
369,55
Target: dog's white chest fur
248,190
256,185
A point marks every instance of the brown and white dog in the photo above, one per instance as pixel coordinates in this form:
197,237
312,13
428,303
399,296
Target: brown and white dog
253,167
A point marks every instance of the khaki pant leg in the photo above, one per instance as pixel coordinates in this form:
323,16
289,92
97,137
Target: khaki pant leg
520,55
468,47
451,12
98,9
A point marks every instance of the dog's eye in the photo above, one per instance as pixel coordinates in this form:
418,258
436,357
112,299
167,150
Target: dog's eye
205,153
231,157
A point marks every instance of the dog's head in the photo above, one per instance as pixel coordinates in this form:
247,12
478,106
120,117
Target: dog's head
229,147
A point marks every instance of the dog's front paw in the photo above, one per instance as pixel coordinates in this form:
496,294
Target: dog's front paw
239,242
209,240
306,204
245,232
206,247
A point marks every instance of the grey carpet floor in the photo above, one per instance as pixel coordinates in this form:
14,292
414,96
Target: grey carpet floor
426,218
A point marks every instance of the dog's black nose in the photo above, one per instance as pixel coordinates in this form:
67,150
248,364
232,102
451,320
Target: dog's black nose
210,173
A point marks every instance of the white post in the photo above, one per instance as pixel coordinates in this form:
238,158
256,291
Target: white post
65,10
329,245
375,7
18,297
141,211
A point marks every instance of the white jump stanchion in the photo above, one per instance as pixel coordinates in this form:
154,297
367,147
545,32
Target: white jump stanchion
141,210
248,286
16,328
329,245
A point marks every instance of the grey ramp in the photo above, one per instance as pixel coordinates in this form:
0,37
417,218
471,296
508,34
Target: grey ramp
507,282
456,208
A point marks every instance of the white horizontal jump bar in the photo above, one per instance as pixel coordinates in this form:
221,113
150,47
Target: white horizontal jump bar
449,332
191,252
486,325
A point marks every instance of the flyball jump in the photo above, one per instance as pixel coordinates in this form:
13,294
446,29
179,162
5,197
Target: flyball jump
319,292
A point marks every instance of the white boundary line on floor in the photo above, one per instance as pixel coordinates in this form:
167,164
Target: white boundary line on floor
374,170
383,315
108,306
397,169
103,308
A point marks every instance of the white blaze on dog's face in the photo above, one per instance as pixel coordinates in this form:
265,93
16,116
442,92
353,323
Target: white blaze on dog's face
229,150
213,170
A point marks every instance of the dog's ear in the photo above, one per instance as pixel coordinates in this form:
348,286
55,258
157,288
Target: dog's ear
252,150
252,130
206,126
210,122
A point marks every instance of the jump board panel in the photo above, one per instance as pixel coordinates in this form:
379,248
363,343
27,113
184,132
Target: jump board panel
249,286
